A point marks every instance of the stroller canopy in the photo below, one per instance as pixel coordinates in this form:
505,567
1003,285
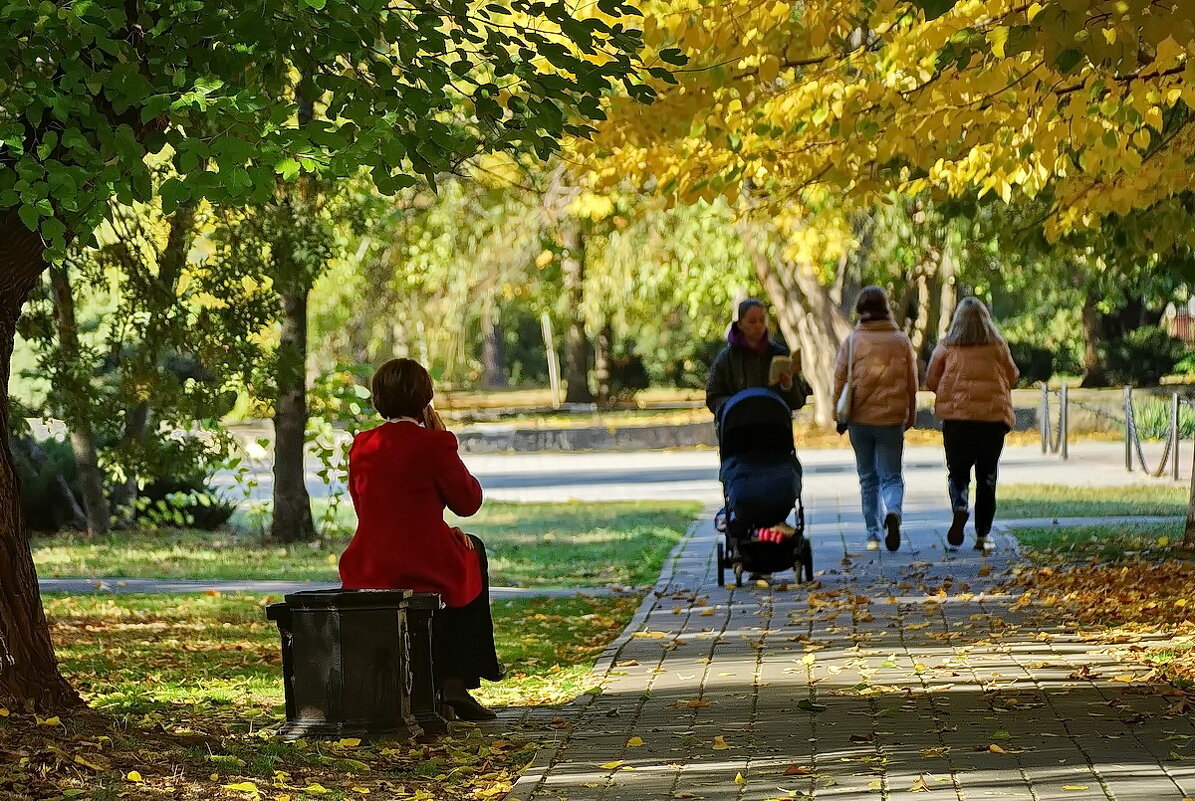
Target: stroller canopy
756,421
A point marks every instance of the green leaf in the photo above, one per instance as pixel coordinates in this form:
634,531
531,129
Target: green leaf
1067,60
29,216
934,8
674,57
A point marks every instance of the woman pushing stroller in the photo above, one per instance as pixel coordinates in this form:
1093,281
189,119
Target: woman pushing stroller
752,400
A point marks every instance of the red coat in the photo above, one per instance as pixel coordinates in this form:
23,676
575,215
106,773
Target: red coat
401,477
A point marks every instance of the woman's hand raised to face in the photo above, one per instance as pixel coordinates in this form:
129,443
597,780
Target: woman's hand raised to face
431,420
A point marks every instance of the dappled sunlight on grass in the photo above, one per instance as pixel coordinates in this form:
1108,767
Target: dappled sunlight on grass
546,545
185,691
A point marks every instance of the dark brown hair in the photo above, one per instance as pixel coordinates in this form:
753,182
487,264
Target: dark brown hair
401,388
872,304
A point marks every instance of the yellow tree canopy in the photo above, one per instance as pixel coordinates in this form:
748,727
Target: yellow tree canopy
1084,104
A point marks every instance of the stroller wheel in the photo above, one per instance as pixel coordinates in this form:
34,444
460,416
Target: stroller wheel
807,561
721,565
738,575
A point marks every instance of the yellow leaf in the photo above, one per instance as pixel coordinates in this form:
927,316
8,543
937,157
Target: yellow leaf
809,659
739,779
635,742
349,742
919,786
544,259
133,776
316,788
1074,787
1163,541
87,764
54,721
4,712
707,612
361,790
995,749
1034,10
611,765
215,777
720,743
244,787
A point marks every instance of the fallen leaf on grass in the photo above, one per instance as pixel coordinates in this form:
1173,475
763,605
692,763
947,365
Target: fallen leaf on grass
54,721
133,776
739,779
635,742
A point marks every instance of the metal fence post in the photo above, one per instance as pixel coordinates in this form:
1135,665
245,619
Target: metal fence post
1176,433
1128,429
1063,420
1043,417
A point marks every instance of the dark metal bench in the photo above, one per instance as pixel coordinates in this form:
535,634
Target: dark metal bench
358,663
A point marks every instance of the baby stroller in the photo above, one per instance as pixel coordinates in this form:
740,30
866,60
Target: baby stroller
761,484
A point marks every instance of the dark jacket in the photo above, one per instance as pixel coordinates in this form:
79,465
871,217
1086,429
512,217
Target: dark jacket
737,368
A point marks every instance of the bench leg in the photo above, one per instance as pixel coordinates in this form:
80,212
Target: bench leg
426,704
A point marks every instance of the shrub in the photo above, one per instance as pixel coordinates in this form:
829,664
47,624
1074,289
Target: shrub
1143,356
1035,363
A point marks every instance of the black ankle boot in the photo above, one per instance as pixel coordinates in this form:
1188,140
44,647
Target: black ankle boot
465,707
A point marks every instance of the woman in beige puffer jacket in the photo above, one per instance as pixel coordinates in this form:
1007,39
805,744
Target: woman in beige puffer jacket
972,373
883,406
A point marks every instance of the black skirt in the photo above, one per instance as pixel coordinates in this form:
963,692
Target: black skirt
463,637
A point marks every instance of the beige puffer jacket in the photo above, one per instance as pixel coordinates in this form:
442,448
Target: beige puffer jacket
883,378
973,382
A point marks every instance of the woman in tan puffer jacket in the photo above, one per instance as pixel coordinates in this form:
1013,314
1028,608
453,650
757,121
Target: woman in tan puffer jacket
883,406
972,373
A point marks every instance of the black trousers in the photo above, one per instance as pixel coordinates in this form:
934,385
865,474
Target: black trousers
463,637
974,444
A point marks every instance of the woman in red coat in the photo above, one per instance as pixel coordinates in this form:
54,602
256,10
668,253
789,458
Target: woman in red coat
402,475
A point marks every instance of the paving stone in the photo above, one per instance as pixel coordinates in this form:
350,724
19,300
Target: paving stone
832,691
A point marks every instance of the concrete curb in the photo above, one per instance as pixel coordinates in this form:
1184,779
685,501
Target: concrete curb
131,586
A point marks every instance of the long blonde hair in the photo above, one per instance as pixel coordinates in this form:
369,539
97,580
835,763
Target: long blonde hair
972,325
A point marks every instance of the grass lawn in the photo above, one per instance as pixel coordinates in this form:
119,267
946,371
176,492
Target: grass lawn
1046,500
540,545
185,692
1103,543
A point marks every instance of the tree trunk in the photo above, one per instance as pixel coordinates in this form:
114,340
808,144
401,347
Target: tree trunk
29,673
811,319
87,464
603,356
1093,366
947,295
493,353
292,505
576,352
918,324
1189,531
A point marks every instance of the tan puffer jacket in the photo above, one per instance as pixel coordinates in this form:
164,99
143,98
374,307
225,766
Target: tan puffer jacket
883,378
973,382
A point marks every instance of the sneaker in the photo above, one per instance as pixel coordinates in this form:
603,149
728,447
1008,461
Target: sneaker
983,543
955,536
873,543
892,527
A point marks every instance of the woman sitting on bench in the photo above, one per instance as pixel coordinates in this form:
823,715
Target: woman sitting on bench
402,475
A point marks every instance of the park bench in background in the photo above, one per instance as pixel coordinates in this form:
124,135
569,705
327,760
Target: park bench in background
358,663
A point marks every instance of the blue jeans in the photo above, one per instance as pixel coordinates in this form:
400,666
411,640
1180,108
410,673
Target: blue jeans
878,454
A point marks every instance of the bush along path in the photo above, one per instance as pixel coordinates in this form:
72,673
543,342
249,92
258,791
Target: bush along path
895,674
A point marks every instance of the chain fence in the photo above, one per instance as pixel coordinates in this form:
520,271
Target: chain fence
1054,425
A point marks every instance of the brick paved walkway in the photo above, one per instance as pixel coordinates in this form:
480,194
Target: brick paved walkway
897,677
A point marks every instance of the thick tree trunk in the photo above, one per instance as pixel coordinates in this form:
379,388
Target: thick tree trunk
1093,366
576,352
947,295
292,505
603,356
811,318
493,353
29,673
87,464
